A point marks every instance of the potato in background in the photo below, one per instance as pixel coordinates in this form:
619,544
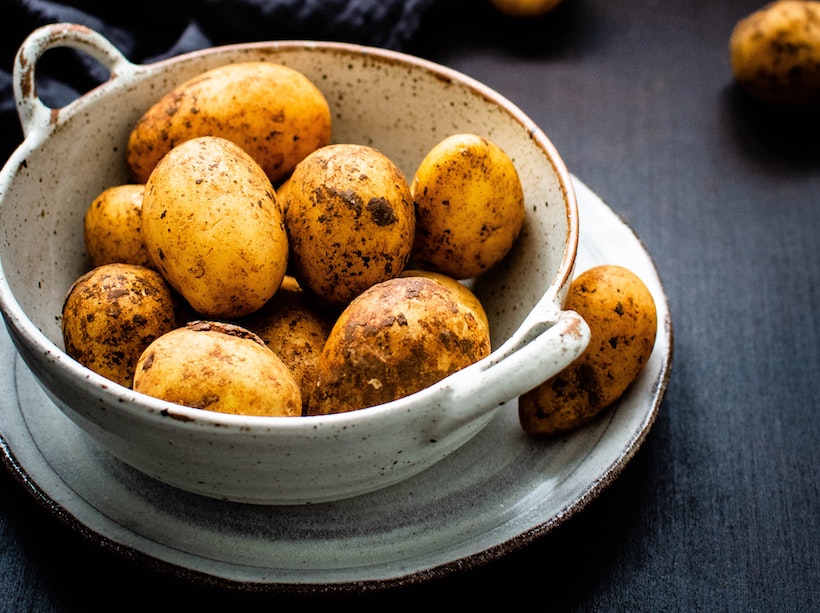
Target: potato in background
524,8
775,53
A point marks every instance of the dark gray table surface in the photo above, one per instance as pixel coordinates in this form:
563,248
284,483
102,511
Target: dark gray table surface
720,509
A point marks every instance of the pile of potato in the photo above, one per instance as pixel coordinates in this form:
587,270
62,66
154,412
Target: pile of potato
254,267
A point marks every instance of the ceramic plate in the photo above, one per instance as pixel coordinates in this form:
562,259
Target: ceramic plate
495,494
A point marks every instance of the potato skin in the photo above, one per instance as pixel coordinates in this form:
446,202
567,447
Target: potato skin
467,297
775,53
214,228
217,367
396,338
295,328
469,206
350,221
273,112
112,313
113,227
622,318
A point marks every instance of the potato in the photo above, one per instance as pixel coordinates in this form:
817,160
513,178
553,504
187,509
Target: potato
775,53
112,313
214,229
622,319
295,328
396,338
350,221
273,112
525,8
218,367
469,206
466,296
282,194
113,228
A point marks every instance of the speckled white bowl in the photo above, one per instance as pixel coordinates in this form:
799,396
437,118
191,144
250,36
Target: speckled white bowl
399,104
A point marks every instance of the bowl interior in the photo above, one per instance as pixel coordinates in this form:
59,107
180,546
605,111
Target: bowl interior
401,106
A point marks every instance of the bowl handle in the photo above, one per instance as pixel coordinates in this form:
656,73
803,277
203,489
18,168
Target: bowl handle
35,115
543,346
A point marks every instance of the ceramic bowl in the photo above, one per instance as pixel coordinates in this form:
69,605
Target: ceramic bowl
399,104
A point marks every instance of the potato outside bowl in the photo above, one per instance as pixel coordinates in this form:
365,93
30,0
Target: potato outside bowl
397,103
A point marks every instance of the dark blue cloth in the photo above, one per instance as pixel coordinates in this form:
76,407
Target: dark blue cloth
157,29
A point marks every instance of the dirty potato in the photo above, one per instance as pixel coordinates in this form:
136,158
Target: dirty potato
113,229
350,221
466,296
295,328
469,206
217,367
775,53
214,229
622,320
112,313
273,112
398,337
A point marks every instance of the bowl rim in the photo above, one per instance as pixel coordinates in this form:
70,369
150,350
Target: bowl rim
150,407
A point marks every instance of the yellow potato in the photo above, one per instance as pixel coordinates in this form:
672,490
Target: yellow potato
282,194
469,206
350,221
295,328
525,8
775,53
622,320
112,313
218,367
113,229
273,112
214,228
467,297
396,338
